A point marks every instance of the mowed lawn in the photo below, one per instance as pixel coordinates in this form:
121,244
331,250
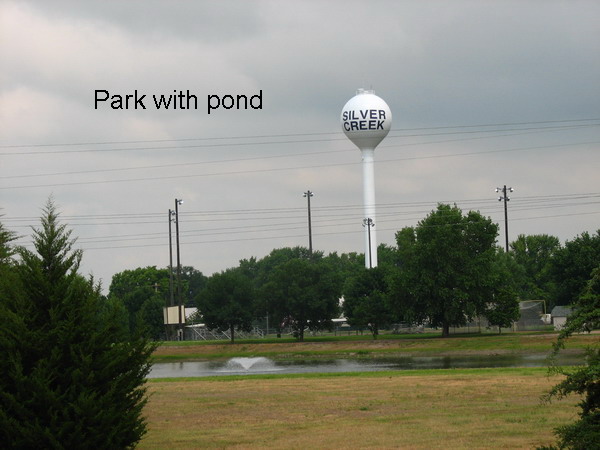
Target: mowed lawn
471,408
365,346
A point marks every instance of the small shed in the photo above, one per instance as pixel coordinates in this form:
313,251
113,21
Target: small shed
559,316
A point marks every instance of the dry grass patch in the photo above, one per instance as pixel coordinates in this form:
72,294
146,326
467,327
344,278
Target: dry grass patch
442,409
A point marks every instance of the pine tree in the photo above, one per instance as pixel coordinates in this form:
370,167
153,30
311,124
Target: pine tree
70,377
583,434
6,251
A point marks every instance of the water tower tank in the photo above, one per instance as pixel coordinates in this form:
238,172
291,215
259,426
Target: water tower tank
366,120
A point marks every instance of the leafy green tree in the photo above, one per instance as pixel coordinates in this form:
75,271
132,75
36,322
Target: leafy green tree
365,300
68,379
583,380
571,267
534,254
504,310
226,302
144,292
304,294
150,277
193,281
512,273
151,317
260,271
346,265
133,302
445,268
387,256
141,290
506,273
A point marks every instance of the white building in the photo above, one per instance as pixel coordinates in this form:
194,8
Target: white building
559,316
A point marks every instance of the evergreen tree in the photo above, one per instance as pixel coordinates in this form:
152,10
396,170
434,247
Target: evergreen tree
6,250
583,434
69,378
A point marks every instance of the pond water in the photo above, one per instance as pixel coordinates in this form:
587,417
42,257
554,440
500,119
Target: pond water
261,365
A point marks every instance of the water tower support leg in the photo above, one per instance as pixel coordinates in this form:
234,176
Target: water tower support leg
368,163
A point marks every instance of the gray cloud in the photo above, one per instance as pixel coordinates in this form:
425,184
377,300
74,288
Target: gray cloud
223,21
437,64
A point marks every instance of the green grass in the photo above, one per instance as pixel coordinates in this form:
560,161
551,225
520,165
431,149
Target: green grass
356,337
364,347
516,371
333,338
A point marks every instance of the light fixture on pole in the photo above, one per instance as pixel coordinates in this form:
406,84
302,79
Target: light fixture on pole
308,195
181,319
506,198
368,222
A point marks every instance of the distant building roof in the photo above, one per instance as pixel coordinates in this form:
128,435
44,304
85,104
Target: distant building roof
561,311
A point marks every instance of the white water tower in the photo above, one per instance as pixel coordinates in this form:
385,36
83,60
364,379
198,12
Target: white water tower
366,120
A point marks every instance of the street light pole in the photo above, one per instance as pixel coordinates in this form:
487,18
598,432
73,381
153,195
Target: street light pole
308,195
177,203
506,198
368,222
172,301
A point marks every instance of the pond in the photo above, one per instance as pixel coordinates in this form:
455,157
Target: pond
261,365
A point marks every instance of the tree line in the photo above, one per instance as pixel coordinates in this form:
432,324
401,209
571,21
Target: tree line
444,271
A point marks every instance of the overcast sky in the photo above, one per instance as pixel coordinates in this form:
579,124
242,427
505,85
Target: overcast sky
483,94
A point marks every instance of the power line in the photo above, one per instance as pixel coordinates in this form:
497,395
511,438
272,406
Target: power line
288,141
262,136
287,155
210,215
273,238
163,166
278,169
323,221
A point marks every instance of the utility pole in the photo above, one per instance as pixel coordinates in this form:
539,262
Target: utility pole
506,198
180,331
172,300
308,195
368,222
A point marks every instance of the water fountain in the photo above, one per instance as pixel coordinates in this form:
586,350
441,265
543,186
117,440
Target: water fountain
247,364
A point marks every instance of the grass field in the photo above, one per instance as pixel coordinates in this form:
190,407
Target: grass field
467,408
363,346
471,408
